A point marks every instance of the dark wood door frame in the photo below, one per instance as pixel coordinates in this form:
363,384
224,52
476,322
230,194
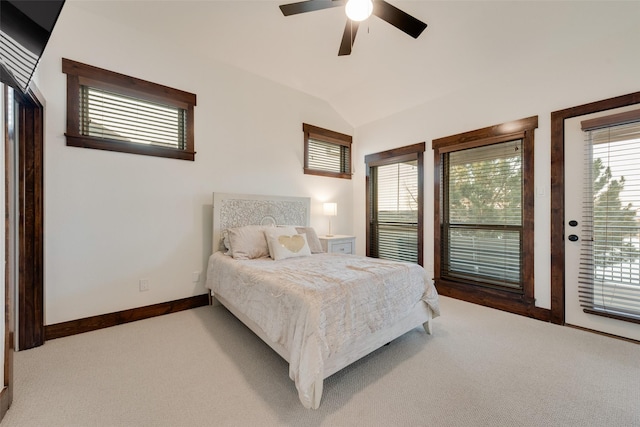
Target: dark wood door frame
30,295
557,192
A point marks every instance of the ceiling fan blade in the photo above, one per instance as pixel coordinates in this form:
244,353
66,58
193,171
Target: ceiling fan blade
399,19
348,37
309,6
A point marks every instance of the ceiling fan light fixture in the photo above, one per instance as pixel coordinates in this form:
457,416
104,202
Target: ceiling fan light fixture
359,10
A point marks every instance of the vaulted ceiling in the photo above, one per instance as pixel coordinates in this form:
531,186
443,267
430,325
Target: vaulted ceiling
465,44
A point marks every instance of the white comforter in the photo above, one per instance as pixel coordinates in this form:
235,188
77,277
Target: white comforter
315,306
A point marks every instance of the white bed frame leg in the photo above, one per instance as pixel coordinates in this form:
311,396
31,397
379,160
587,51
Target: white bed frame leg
427,327
317,393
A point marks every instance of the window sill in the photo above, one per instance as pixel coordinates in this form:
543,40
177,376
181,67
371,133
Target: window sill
327,173
511,302
127,147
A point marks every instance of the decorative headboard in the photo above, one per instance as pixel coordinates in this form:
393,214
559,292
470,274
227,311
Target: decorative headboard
237,210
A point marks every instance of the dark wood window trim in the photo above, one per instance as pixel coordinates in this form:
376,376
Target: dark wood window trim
516,302
332,137
396,155
557,192
79,74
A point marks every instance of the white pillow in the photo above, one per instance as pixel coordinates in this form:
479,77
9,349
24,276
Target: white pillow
248,242
285,242
312,239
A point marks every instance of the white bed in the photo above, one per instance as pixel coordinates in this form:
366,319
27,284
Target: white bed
320,312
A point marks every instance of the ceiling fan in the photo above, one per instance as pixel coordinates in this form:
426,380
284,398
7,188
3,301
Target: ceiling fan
380,8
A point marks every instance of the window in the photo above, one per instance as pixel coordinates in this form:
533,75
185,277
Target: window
484,215
326,152
394,204
610,257
110,111
482,218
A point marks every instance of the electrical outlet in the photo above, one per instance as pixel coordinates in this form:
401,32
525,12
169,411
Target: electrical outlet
195,277
143,284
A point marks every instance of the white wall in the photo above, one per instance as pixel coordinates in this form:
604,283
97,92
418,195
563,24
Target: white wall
529,86
112,218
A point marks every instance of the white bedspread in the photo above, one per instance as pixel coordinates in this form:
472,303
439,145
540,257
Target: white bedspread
317,305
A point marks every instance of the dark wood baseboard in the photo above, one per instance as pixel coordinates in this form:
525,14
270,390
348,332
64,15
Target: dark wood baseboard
73,327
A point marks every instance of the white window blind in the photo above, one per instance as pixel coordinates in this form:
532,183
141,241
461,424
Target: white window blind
113,116
482,215
326,152
329,157
18,59
396,216
609,273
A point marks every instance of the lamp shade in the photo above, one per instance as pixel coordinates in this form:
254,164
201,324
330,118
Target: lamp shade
330,209
359,10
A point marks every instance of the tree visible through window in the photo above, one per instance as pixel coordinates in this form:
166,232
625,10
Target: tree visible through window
610,255
482,221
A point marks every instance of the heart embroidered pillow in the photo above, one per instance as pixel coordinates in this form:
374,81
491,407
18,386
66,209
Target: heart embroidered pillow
292,243
283,243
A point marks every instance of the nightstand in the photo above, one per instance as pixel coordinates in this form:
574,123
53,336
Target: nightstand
338,244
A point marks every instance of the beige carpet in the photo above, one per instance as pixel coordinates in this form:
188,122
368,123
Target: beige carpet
202,367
